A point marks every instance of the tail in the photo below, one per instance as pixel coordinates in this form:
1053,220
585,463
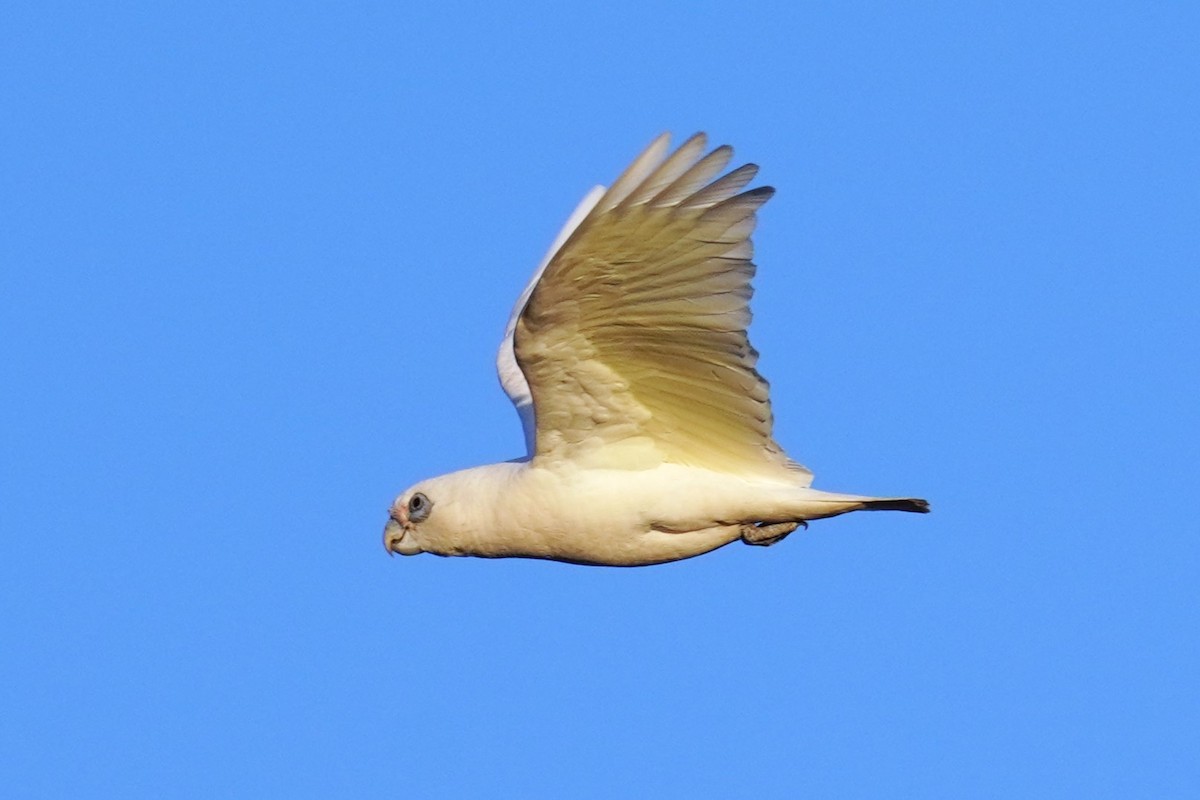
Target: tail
807,503
914,504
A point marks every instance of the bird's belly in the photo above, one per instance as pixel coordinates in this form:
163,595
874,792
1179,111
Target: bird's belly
610,545
622,518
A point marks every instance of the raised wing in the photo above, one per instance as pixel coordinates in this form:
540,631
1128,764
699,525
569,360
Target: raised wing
633,339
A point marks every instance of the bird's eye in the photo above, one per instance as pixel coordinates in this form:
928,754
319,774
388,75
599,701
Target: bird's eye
419,507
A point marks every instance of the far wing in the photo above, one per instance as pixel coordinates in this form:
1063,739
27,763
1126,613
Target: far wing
633,341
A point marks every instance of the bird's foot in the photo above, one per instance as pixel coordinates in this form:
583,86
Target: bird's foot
766,534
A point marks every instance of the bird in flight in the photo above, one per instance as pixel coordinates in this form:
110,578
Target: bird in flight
647,427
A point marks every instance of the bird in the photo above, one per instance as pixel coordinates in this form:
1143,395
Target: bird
648,429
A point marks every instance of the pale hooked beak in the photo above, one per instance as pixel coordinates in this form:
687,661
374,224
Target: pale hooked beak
397,535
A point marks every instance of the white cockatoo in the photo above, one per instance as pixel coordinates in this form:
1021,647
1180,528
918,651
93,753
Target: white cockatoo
648,428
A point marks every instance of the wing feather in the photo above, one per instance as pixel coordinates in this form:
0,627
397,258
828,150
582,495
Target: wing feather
670,170
698,176
633,176
725,187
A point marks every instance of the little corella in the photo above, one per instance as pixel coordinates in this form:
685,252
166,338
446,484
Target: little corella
648,428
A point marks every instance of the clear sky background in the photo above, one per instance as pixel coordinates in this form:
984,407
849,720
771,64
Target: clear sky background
255,260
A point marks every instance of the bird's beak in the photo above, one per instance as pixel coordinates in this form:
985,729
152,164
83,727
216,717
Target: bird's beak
393,532
398,537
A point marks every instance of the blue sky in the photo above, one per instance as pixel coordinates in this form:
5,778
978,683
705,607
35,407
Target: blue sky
254,263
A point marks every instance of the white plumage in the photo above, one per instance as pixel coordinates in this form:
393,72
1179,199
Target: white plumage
647,427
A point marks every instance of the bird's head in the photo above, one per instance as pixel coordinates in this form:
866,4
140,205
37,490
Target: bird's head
412,509
449,514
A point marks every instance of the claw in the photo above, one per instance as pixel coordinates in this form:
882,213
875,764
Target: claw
765,535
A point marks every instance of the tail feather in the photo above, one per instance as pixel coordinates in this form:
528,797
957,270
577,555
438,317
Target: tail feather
817,504
914,504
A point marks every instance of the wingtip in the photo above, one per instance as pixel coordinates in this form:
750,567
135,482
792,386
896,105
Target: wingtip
764,193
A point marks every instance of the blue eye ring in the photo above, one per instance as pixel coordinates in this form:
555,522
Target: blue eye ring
419,507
